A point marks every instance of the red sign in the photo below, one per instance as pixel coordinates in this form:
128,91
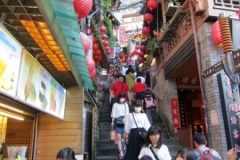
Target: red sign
121,33
187,81
175,113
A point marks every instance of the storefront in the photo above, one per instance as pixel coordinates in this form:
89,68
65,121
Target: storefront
26,88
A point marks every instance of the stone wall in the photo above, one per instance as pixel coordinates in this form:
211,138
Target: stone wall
165,89
211,54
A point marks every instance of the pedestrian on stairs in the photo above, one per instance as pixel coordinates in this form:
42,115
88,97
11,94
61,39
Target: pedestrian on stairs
153,146
135,123
119,111
66,154
186,154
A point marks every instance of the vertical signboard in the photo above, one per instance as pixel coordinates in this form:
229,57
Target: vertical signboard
235,26
10,56
39,89
229,110
121,36
175,112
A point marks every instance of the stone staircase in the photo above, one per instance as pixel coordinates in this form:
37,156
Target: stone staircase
107,150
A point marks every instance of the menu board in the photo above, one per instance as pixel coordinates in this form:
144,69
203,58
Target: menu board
39,89
10,56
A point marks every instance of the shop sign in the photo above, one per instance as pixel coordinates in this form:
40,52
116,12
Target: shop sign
188,81
214,69
175,113
235,26
10,56
122,37
236,60
39,89
139,38
230,110
112,52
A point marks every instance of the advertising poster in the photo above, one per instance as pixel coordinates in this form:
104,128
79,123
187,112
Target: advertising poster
10,56
39,89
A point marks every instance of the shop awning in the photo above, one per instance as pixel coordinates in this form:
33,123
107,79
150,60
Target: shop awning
64,23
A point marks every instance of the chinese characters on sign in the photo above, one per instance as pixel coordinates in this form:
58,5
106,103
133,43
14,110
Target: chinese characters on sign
187,81
230,110
214,69
175,112
121,34
182,113
236,60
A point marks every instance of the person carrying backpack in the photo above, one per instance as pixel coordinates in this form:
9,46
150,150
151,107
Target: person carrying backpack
202,152
150,106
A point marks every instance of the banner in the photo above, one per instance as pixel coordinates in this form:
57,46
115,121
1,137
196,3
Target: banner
121,35
39,89
175,113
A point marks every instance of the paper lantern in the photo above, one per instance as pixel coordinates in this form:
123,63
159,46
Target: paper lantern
99,58
146,30
108,51
102,29
148,17
98,52
140,60
93,74
95,46
106,48
141,54
134,53
152,4
104,36
143,48
216,34
90,63
85,42
82,7
105,43
94,40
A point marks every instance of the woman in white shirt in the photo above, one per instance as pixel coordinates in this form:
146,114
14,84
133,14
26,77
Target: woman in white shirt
120,109
154,145
133,138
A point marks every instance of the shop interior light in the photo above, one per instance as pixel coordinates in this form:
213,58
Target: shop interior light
10,115
10,108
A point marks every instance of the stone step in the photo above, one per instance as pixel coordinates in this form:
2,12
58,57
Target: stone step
107,124
107,157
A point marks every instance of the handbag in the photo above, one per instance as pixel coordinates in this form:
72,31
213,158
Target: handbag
119,120
154,154
142,133
112,135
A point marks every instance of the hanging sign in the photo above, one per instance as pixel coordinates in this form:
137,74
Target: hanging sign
175,113
10,56
139,38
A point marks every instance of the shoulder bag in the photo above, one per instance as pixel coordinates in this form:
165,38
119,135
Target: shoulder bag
155,156
142,133
119,120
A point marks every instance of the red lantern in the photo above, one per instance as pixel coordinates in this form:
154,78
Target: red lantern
134,53
94,40
137,47
106,48
216,34
146,30
93,74
102,29
90,63
148,17
85,42
152,4
140,60
97,52
143,48
104,36
105,43
82,7
95,46
99,58
108,51
141,54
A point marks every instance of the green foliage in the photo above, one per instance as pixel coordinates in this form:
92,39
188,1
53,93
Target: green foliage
150,45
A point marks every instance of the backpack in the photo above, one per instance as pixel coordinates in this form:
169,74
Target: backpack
207,154
149,102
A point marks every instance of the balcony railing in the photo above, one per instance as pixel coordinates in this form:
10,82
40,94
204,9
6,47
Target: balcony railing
231,5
